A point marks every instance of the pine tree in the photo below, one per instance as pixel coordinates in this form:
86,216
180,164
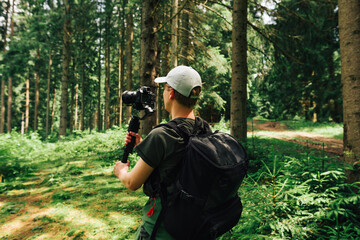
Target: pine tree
239,71
149,51
349,26
65,69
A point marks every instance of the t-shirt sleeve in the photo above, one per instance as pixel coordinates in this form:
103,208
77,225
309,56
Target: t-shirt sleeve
155,147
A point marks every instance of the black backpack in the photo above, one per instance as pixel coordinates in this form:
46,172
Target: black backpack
205,204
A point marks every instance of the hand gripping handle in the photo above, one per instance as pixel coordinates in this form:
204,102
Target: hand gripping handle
133,127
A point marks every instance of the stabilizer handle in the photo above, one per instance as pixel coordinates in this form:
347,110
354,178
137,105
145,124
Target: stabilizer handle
133,127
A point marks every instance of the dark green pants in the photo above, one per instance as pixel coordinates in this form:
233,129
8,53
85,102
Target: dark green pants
145,230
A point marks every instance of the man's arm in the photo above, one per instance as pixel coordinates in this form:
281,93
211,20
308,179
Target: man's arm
134,179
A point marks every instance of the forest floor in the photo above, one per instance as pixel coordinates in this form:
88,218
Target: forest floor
277,130
77,197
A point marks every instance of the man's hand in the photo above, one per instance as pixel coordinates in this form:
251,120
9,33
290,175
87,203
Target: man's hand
129,136
121,169
134,179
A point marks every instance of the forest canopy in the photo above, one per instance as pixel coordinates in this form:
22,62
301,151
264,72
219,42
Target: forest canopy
293,47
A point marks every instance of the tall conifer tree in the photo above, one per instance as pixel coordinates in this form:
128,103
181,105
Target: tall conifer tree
65,68
349,26
149,51
239,71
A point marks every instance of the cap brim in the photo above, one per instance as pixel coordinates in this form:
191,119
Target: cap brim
160,80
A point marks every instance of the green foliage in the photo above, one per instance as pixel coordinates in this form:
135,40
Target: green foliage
19,152
288,194
303,63
14,153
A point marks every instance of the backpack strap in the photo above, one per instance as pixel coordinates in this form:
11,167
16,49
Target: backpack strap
175,124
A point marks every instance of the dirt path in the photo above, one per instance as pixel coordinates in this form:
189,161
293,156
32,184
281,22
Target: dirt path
331,145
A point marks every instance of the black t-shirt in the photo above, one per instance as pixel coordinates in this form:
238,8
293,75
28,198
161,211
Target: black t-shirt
163,148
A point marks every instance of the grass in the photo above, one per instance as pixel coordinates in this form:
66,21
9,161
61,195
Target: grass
328,129
66,190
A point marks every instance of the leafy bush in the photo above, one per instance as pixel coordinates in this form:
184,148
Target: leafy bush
21,154
291,197
14,153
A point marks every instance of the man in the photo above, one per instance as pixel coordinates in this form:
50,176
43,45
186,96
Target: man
162,150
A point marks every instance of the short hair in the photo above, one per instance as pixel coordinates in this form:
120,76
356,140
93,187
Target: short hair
190,101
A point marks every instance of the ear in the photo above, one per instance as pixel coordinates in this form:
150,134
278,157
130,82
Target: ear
172,94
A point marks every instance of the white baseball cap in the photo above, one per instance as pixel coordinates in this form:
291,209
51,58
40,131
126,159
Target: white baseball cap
182,78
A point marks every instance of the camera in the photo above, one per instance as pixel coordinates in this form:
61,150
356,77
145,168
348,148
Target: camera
141,99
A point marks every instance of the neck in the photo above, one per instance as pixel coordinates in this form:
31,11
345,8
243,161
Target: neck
179,111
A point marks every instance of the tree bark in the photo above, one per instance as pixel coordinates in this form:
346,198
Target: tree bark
76,126
22,123
37,80
2,96
349,30
83,87
99,86
10,77
9,104
48,96
167,56
174,34
72,100
107,64
65,70
121,64
185,35
149,51
53,111
2,107
27,105
239,71
129,60
72,108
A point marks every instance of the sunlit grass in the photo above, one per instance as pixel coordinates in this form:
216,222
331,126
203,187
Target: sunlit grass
332,130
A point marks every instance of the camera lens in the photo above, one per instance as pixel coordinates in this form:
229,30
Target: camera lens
129,97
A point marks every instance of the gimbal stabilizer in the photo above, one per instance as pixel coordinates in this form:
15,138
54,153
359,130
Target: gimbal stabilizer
141,99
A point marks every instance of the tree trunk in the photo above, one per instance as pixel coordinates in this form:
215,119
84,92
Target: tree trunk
2,96
83,88
167,56
2,107
22,123
76,127
149,51
10,78
107,64
48,96
174,34
185,35
9,104
27,105
349,30
239,71
37,80
72,107
121,64
129,61
53,111
99,86
65,70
